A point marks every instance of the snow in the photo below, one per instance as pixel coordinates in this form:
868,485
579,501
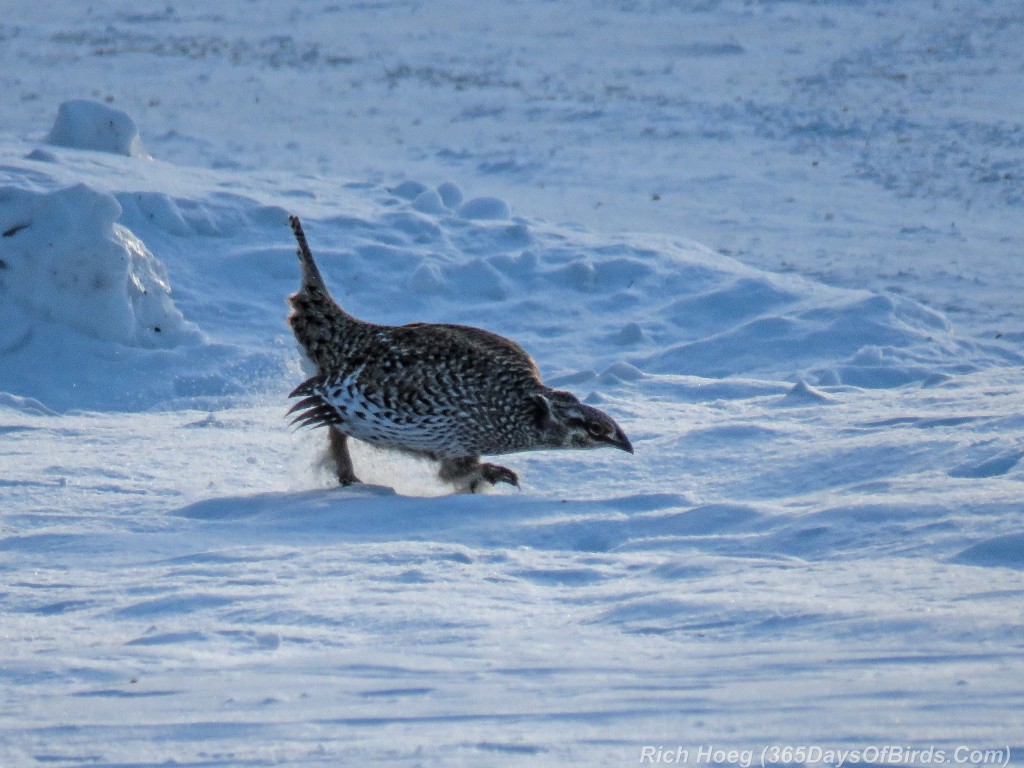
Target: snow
68,263
778,242
84,124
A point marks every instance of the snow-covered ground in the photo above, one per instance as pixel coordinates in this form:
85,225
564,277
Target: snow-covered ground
780,242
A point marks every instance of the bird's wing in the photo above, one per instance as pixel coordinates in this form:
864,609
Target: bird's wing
466,340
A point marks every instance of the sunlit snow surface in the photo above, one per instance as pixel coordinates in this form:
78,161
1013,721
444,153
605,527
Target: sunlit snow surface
819,539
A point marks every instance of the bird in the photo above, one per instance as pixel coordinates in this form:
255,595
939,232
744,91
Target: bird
449,393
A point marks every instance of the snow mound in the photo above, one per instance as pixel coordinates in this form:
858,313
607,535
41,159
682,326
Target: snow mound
485,208
86,315
995,466
1005,551
24,405
83,124
451,194
66,261
830,336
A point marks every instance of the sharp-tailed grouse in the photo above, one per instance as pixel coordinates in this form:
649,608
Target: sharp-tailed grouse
447,392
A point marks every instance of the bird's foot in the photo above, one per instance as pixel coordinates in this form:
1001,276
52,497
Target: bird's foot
494,474
467,474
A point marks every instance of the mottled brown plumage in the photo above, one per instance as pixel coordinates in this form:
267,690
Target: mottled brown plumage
448,392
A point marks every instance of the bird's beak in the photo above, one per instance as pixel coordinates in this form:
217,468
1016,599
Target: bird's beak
620,441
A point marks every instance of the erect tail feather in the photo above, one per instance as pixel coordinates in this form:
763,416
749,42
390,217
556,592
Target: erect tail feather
311,277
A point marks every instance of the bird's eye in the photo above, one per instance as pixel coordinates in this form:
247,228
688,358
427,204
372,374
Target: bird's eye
597,429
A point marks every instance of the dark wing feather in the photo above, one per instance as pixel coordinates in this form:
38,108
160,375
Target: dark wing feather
312,410
308,387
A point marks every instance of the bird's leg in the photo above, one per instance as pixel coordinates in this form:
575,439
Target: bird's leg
339,456
467,472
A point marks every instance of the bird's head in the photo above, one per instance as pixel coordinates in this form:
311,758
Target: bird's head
564,422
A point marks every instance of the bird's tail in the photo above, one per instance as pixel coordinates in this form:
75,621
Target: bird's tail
312,280
317,319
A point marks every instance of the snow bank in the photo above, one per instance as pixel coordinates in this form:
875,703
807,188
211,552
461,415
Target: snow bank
83,124
634,307
66,262
87,319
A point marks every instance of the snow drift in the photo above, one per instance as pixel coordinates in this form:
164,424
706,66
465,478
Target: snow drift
66,262
83,124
